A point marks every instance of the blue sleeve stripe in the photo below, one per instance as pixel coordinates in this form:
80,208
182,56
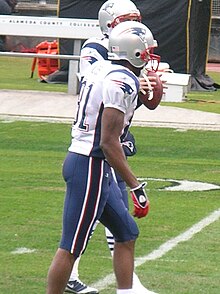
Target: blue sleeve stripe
98,47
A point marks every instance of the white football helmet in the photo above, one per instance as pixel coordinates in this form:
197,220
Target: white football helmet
132,41
112,12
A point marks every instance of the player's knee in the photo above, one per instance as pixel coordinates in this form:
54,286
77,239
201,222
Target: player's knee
130,233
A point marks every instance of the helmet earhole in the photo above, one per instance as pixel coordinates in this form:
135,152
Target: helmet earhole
137,54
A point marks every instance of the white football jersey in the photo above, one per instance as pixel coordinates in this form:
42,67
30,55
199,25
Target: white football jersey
107,85
94,49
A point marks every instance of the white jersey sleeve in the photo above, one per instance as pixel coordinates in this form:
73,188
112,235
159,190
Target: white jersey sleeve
120,90
94,49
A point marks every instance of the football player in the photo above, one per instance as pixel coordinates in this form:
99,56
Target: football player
108,98
111,13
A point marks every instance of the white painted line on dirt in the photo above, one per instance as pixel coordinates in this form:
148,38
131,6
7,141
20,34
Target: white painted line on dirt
164,248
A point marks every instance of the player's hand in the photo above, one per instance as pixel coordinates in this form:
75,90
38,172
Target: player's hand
148,84
140,200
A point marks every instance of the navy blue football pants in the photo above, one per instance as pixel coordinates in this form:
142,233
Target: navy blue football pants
92,194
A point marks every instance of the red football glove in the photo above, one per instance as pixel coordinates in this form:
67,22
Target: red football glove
140,200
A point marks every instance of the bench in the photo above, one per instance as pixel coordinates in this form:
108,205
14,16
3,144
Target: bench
52,27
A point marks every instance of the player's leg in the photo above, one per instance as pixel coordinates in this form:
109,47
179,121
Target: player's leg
124,196
75,285
59,271
137,286
123,252
125,231
86,194
110,240
123,262
75,271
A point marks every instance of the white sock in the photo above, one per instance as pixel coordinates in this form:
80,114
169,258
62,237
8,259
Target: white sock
136,281
124,291
75,273
110,240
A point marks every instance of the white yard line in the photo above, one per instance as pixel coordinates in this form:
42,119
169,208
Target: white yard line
164,248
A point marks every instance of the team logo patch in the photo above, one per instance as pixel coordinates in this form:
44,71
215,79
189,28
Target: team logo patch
140,32
142,199
108,7
124,86
90,59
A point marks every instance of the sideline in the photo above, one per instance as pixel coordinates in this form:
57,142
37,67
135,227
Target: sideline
164,248
61,107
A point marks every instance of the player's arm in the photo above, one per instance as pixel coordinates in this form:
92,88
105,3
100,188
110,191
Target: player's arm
112,125
93,50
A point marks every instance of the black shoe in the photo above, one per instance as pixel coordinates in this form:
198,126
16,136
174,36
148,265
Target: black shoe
77,287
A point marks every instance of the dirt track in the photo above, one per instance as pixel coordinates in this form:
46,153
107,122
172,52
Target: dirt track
47,106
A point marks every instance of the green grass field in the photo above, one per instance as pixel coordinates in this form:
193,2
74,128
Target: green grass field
32,193
31,200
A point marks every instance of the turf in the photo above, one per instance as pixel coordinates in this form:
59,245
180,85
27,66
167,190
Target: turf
15,74
32,192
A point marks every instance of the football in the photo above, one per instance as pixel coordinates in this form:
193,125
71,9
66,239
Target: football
151,99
